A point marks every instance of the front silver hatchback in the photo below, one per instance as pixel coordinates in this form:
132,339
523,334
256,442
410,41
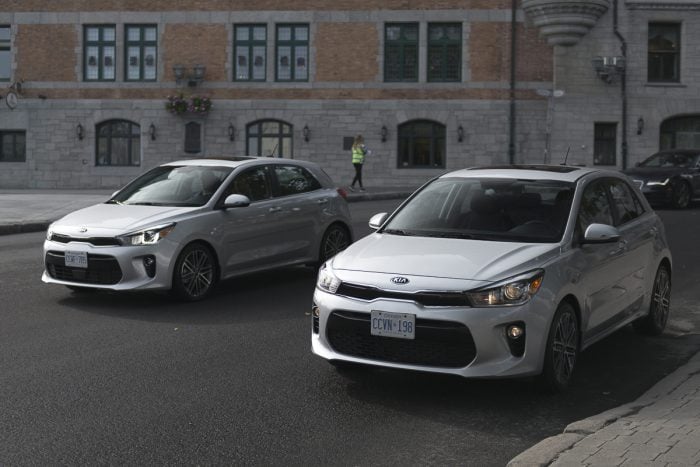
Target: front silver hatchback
497,272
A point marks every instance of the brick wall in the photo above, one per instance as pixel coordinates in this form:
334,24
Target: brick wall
191,44
349,53
239,5
46,52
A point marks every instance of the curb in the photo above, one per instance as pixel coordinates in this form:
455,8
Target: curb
19,228
547,450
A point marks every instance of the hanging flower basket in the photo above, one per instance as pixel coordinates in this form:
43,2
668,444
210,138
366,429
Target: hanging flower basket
181,105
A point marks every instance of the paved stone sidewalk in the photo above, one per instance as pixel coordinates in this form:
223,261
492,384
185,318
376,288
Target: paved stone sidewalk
661,428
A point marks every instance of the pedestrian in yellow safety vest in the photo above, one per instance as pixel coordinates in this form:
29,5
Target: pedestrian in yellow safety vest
359,151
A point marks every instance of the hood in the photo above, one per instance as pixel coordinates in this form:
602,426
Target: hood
653,173
443,257
115,219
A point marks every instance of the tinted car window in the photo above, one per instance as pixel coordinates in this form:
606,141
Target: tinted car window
671,160
292,180
252,183
595,207
625,202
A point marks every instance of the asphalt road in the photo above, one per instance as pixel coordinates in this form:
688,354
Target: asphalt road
141,379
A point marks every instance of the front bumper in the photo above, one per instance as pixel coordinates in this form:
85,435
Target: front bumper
464,341
112,267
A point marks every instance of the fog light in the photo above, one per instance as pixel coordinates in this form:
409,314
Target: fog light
515,331
149,263
315,313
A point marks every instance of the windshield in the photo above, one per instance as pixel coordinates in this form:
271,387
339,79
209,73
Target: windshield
671,160
506,210
173,186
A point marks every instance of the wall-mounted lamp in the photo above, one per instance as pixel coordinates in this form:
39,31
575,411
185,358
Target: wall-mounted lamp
152,131
460,134
79,132
384,132
231,132
192,78
306,132
607,68
640,125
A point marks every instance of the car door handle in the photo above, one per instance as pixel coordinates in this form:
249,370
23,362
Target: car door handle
275,209
653,231
621,248
323,201
296,209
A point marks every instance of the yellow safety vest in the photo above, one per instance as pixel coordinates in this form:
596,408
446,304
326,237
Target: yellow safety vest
358,155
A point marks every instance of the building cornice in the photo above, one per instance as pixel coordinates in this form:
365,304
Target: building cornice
661,5
564,22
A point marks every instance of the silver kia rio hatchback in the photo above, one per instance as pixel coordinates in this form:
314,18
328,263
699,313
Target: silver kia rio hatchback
185,225
497,272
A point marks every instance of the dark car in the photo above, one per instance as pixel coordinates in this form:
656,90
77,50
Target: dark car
670,177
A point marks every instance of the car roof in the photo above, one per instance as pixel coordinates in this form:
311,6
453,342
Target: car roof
564,173
236,161
692,152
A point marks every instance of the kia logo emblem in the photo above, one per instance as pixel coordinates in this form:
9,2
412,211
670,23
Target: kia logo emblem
400,280
83,229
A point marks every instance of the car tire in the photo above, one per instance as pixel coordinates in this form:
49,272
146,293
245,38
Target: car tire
681,195
563,343
195,273
335,239
654,322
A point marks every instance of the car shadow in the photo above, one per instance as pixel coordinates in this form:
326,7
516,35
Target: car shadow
237,300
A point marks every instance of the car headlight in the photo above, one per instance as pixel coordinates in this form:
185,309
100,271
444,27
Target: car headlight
49,233
149,236
514,291
664,183
327,280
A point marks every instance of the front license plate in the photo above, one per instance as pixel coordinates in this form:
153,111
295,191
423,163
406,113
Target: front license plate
401,325
76,259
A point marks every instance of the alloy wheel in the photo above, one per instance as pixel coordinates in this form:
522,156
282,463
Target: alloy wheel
565,347
335,240
681,195
661,298
196,273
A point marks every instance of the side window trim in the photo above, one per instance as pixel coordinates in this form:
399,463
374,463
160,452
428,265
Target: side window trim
268,184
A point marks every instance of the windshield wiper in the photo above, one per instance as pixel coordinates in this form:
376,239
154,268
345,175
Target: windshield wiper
397,232
113,201
450,235
146,203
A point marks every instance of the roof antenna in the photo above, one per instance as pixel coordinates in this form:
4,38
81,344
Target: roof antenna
567,155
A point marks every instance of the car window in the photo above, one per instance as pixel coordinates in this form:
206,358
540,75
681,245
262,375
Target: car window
670,160
510,210
292,180
625,202
253,183
595,207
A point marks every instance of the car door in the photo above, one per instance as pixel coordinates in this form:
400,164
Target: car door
253,236
599,272
301,199
637,232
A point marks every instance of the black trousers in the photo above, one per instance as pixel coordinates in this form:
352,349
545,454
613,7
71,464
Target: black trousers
358,175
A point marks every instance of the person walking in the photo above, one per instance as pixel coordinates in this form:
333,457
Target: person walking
359,151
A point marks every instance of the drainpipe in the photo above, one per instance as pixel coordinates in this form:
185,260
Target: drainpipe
511,143
623,85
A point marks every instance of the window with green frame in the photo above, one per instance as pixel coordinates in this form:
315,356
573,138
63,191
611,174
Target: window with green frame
99,52
13,145
401,52
664,53
271,138
444,52
292,52
5,54
421,144
141,52
249,52
118,143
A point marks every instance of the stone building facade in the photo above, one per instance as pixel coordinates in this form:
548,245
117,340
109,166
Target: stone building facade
429,83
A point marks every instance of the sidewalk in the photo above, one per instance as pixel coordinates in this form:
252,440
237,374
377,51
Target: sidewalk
661,428
23,211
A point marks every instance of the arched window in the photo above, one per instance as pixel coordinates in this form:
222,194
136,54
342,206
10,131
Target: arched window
269,138
118,143
421,144
193,137
681,132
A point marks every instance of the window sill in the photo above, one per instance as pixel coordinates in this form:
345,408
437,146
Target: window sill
666,85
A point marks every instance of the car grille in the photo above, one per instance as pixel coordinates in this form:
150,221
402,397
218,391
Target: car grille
95,241
102,269
437,343
364,292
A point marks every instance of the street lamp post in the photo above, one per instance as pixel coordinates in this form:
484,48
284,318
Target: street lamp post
550,94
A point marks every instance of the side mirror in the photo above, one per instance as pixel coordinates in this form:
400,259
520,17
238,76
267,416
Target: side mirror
601,233
377,220
236,201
